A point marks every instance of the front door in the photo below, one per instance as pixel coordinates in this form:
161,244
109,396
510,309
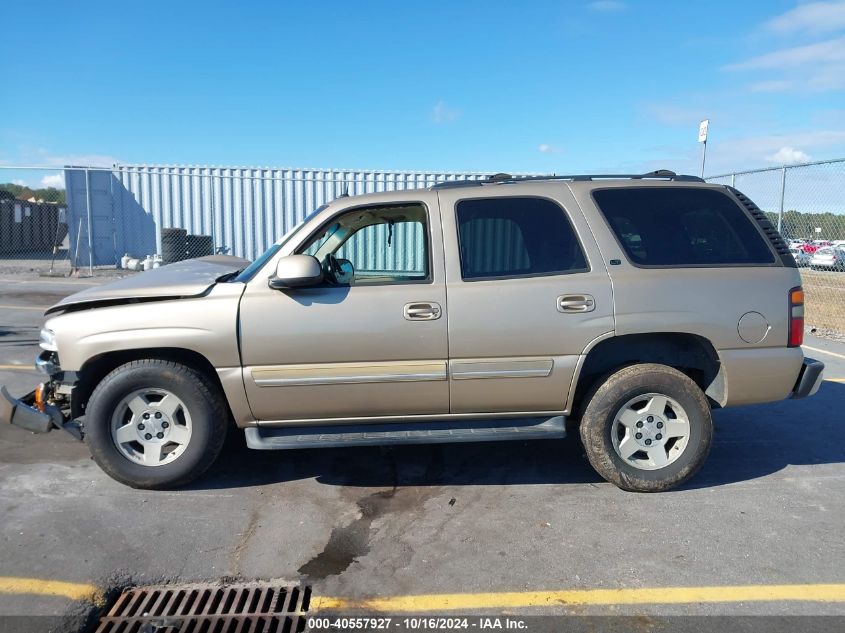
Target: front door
528,292
370,341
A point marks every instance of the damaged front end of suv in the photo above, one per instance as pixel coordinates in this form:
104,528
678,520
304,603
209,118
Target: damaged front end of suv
50,404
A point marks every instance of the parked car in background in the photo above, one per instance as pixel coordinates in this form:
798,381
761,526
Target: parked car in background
831,257
801,258
812,247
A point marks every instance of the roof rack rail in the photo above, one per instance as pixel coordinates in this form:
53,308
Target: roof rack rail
659,174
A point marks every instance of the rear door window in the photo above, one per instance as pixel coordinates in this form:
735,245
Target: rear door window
516,237
682,227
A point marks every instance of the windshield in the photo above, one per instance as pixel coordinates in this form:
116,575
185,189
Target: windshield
249,272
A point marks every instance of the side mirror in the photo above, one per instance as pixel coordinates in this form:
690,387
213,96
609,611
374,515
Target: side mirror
296,271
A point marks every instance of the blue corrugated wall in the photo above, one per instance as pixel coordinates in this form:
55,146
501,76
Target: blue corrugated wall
243,209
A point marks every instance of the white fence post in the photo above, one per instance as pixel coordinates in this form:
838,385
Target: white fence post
782,193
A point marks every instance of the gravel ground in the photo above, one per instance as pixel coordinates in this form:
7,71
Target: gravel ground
825,308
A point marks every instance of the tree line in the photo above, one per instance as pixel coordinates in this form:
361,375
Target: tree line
12,191
797,225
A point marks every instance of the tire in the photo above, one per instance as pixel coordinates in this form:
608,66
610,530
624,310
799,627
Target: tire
625,404
192,424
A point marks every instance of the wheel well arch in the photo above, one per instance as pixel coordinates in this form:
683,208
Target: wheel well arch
98,367
691,354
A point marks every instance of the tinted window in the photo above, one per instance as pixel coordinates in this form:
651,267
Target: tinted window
674,226
515,237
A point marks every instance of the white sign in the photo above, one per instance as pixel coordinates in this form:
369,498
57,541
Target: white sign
818,229
702,130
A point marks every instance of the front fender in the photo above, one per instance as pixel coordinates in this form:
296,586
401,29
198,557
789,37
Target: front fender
206,325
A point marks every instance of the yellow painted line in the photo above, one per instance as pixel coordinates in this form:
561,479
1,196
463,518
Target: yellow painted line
586,597
823,351
70,590
17,368
8,307
835,379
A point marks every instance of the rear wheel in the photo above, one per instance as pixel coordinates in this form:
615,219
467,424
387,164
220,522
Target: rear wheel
647,428
155,424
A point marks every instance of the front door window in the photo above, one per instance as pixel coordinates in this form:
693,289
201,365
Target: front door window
374,245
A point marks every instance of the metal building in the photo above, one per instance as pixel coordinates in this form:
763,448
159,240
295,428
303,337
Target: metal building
243,210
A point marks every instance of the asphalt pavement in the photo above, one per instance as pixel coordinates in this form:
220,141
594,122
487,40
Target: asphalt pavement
488,519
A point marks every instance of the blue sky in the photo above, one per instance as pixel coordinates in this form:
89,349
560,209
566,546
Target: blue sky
497,86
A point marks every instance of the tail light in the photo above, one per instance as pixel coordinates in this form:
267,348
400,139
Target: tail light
796,316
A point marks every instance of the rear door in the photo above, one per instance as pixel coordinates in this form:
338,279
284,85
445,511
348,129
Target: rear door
527,293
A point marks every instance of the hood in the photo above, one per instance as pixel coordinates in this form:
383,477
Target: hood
190,278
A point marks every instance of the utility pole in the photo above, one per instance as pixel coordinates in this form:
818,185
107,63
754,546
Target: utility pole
702,138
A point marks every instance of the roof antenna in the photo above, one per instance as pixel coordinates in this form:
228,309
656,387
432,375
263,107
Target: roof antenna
345,193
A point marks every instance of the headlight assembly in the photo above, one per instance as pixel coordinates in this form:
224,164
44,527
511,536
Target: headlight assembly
47,340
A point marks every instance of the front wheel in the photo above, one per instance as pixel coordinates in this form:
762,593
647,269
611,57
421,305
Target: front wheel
155,424
647,428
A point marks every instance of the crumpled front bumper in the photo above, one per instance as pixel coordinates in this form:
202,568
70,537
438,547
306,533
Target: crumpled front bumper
809,379
23,413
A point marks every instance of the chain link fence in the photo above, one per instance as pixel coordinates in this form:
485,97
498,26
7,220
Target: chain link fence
807,204
107,221
34,228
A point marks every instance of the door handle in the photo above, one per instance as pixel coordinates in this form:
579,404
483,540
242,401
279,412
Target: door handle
421,311
576,303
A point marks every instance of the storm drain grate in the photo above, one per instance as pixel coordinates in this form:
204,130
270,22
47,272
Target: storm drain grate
244,608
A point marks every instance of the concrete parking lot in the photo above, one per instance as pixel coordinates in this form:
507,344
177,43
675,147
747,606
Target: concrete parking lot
508,522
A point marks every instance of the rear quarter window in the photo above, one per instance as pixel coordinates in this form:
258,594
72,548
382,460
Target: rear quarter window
682,227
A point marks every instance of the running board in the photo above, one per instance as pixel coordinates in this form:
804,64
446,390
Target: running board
279,438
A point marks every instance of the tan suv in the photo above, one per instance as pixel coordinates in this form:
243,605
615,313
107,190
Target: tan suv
501,309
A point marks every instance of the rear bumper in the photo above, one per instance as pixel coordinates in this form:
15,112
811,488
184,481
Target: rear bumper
755,376
22,413
809,379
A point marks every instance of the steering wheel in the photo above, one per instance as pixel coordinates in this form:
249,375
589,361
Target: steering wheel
333,267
